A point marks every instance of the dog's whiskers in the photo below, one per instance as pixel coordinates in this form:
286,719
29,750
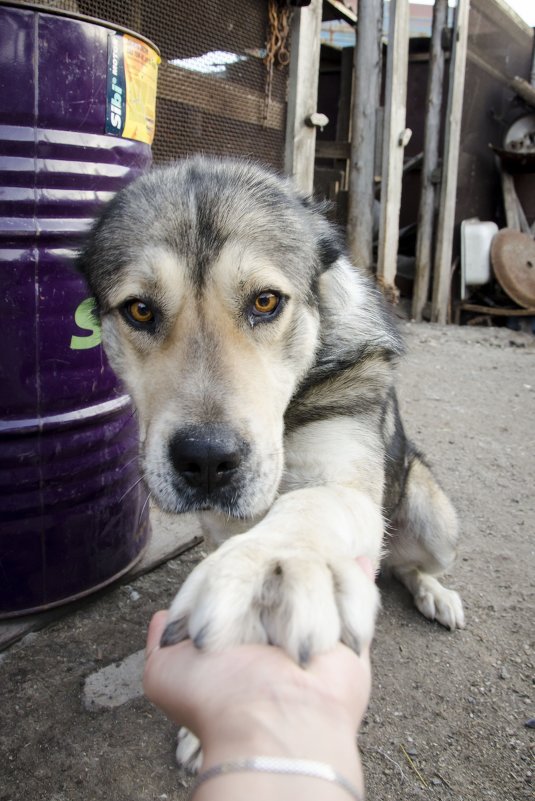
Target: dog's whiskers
145,504
134,485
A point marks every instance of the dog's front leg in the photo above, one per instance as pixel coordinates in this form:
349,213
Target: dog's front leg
291,580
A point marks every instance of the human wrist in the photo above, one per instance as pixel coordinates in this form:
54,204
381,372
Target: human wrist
295,730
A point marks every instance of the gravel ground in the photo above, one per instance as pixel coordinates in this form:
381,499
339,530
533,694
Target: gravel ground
456,703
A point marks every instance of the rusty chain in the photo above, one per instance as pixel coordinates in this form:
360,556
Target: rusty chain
277,53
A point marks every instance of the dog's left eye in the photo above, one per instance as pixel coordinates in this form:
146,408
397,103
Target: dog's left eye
139,312
266,303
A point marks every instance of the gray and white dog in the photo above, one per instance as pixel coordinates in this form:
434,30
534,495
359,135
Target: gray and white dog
261,364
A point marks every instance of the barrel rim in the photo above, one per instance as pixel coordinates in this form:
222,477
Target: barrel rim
59,12
144,529
68,419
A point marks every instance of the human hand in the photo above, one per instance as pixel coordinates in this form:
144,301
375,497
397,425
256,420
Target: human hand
253,699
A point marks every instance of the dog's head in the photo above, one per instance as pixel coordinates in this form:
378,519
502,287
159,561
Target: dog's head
205,275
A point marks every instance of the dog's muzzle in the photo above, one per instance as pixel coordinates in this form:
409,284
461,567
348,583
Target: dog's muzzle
207,461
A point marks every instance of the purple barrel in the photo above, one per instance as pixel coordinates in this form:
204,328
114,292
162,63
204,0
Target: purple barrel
73,508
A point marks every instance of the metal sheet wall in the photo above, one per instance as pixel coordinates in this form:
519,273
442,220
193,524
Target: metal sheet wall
498,49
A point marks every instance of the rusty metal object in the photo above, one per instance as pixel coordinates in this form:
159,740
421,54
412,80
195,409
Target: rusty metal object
518,151
277,53
516,160
520,136
513,258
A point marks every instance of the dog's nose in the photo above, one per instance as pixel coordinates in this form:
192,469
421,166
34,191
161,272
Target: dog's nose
206,457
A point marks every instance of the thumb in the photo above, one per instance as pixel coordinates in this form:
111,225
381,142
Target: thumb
156,627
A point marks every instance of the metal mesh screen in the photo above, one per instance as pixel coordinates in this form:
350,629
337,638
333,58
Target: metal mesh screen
498,49
211,83
495,40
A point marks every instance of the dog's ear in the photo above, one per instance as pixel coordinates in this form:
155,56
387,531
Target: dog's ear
329,242
330,248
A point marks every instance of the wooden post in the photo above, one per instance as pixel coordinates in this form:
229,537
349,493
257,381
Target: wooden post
510,199
303,94
450,165
426,212
366,88
395,139
343,122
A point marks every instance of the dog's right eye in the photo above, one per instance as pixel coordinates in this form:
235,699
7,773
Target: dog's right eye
266,303
138,312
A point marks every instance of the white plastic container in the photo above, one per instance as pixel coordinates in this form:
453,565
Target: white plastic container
476,238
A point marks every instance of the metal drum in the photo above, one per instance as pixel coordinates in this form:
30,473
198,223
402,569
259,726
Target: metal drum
76,121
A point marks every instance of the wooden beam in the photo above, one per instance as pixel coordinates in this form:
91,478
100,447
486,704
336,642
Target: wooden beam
495,311
446,216
343,10
395,139
426,212
343,122
510,200
524,89
366,88
325,149
303,94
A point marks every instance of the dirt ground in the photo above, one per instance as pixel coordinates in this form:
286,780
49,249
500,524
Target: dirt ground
457,703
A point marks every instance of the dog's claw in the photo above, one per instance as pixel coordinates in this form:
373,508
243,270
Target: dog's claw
353,642
304,653
314,603
200,638
176,631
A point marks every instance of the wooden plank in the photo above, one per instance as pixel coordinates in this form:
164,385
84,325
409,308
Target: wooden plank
446,217
393,144
343,122
171,535
332,150
303,94
494,311
426,211
343,10
366,88
511,204
522,219
214,96
523,88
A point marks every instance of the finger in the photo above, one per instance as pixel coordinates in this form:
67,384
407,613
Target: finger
154,633
346,676
170,679
340,660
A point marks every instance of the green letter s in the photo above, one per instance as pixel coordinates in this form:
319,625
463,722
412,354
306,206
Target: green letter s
84,318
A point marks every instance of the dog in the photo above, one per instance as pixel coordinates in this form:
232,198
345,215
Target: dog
262,363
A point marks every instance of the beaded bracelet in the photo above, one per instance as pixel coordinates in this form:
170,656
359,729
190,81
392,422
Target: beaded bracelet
281,765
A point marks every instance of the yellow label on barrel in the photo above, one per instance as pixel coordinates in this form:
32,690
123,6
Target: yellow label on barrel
131,96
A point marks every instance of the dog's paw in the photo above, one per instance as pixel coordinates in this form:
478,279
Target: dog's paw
188,751
297,597
438,603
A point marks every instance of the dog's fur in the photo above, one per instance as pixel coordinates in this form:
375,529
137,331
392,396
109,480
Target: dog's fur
297,406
